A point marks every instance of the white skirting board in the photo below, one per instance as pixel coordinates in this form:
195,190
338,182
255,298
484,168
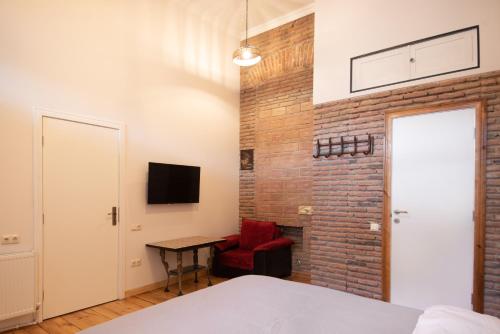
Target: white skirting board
17,285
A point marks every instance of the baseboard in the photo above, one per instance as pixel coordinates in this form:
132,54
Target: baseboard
161,284
303,277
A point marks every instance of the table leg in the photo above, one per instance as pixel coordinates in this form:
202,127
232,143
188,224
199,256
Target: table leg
210,261
165,264
179,271
195,262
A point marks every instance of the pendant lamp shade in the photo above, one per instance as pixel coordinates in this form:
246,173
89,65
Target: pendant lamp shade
246,55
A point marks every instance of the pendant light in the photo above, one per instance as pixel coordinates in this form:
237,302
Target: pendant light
246,55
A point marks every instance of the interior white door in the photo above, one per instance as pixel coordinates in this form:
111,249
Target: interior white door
432,227
80,187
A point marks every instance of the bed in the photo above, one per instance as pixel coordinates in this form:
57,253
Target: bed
260,304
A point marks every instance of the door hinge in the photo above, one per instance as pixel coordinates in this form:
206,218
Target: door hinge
43,140
43,296
43,219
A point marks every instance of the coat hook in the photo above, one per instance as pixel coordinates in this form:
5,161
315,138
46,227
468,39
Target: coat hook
370,145
329,148
318,150
355,146
341,146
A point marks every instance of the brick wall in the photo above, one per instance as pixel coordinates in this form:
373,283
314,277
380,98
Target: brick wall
280,123
348,191
276,121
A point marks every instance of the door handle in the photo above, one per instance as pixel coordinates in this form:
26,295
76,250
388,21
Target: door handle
398,212
114,215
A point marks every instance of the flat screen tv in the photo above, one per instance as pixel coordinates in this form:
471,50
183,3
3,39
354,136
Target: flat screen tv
170,184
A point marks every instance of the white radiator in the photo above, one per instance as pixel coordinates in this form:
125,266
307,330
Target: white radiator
17,285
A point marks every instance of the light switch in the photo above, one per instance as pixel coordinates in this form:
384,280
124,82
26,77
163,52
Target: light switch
374,227
305,210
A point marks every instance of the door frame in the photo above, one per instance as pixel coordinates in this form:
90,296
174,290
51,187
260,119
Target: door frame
479,195
38,115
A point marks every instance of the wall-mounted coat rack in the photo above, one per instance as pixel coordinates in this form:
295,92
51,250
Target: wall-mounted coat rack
344,146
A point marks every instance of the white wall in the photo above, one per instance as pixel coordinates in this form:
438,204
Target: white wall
348,28
161,67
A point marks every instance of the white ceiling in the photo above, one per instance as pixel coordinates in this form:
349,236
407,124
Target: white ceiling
230,13
262,11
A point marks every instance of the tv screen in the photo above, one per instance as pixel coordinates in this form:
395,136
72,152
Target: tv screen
169,184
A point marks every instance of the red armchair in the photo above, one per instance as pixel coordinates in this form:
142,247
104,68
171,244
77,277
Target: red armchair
259,249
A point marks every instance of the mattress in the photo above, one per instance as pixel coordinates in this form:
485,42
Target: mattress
260,304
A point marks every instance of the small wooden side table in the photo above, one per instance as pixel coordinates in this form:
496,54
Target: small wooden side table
186,244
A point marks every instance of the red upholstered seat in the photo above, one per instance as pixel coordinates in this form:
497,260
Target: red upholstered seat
237,258
255,233
258,250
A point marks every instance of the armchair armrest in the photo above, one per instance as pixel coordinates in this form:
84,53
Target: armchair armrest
275,244
231,242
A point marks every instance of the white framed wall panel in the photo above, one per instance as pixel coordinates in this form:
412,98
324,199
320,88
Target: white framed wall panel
380,68
433,56
446,54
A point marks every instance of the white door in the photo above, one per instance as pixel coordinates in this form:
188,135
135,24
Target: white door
80,187
432,227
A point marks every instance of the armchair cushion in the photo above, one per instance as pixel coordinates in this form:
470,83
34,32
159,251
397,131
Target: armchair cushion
274,244
254,233
237,258
231,241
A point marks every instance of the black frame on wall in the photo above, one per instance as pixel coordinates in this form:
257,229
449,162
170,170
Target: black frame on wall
476,27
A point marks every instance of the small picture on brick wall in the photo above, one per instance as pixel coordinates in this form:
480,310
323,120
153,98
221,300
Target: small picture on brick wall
246,159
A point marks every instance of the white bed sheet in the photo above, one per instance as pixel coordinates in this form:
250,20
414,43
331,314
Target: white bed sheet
444,319
259,304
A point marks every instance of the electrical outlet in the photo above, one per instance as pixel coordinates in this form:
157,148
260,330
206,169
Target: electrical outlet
305,210
374,226
137,227
5,239
136,262
9,239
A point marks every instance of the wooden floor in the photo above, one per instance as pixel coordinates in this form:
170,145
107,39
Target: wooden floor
77,321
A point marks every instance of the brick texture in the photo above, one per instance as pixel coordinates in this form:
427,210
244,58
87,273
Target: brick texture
348,191
277,122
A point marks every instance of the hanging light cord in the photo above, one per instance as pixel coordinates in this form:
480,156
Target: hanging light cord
246,24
